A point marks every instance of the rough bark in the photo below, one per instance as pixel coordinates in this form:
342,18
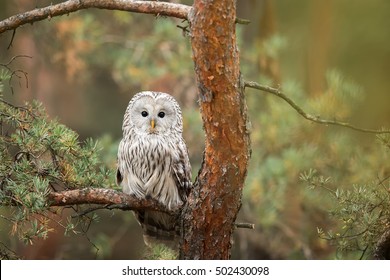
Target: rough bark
208,219
101,196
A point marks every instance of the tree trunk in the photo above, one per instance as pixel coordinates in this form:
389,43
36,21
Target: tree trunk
208,219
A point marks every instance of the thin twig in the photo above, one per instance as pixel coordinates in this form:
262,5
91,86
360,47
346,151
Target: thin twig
381,181
15,72
317,119
6,65
5,254
363,252
87,211
12,39
243,21
244,225
122,206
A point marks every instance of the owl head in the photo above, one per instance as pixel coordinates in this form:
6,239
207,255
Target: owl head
153,113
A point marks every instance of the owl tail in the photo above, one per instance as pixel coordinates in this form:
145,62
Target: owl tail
159,228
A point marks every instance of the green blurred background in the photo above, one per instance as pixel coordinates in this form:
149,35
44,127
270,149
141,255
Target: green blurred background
332,57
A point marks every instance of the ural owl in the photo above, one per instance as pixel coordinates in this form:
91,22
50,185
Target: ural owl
153,161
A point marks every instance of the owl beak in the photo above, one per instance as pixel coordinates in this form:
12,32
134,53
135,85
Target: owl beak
152,124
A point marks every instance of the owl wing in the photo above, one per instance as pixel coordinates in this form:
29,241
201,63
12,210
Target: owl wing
121,163
181,168
119,177
125,177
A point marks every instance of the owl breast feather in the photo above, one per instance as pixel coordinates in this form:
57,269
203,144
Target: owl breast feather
148,170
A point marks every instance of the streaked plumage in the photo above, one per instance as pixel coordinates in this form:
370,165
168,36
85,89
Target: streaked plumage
153,161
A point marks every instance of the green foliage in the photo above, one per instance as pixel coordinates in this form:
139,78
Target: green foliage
284,145
362,210
39,156
5,75
338,101
385,140
135,55
102,245
160,252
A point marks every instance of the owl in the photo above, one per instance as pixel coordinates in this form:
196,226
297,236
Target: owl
153,162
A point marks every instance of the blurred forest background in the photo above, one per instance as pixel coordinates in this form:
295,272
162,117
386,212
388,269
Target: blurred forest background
331,57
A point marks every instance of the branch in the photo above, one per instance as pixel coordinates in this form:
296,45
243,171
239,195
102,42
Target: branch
146,7
307,116
111,198
242,21
244,225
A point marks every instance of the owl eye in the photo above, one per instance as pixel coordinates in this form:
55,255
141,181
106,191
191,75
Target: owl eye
144,114
161,115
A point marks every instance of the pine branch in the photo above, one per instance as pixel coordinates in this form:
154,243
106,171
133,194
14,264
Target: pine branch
147,7
111,199
317,119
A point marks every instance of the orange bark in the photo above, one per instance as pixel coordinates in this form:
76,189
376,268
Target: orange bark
214,203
